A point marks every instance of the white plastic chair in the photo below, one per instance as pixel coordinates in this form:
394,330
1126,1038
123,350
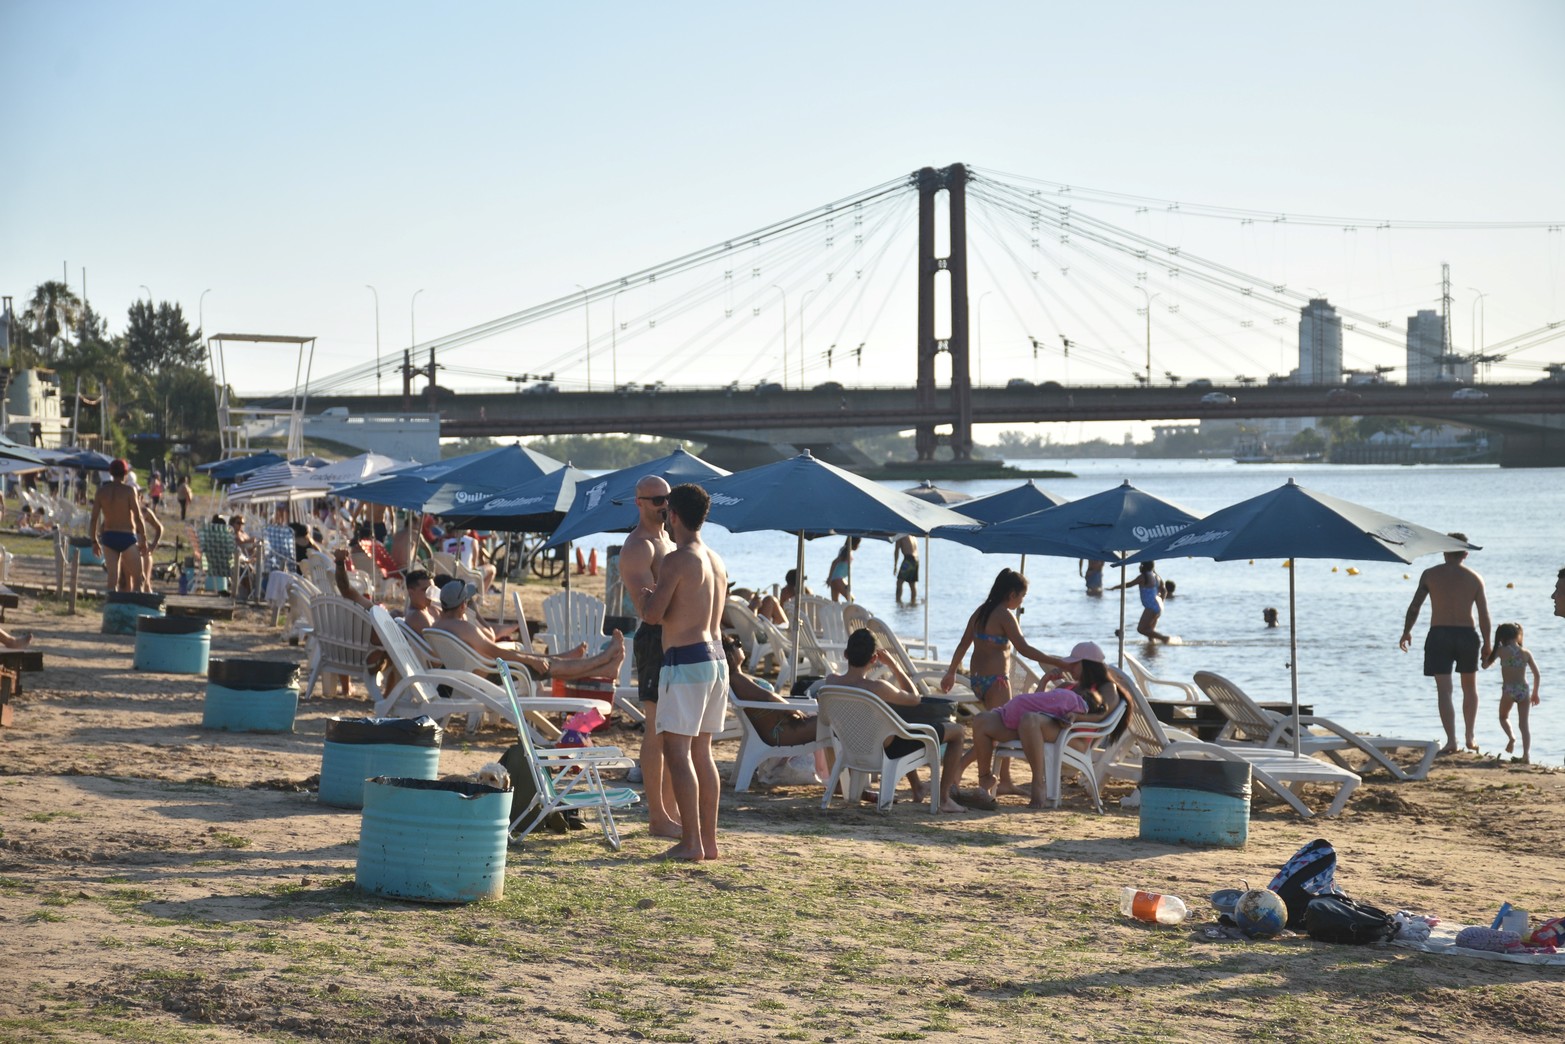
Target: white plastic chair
1147,681
858,724
340,642
1090,763
574,617
754,748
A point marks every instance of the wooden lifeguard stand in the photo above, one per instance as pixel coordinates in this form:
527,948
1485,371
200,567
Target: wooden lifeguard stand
237,424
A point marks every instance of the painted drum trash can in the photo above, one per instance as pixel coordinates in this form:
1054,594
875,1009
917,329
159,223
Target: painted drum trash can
173,644
358,748
122,608
433,840
81,549
250,695
1195,802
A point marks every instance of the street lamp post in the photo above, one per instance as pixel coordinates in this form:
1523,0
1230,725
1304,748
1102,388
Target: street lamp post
784,293
201,312
413,338
614,336
1477,302
978,353
372,290
1142,291
149,294
586,314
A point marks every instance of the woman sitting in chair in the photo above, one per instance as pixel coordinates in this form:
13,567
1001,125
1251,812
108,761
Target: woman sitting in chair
1038,718
900,693
781,727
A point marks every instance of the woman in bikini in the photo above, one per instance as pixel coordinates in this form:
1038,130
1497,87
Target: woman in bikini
990,633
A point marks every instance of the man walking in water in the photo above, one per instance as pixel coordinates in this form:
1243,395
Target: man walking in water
118,507
640,561
906,549
693,684
1454,591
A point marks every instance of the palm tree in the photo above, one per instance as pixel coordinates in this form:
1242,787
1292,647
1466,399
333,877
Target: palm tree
55,309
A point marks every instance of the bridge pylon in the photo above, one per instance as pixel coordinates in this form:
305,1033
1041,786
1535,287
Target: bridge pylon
953,180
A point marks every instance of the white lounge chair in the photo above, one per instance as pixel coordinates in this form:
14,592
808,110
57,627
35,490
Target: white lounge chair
858,724
1282,774
755,748
1250,724
574,617
1148,682
339,643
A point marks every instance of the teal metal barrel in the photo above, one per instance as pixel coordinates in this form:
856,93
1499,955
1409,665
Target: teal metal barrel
358,748
81,549
432,840
1195,802
250,695
173,644
121,609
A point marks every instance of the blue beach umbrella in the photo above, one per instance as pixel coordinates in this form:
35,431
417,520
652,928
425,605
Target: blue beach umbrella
85,460
234,467
1292,522
1009,503
809,497
1102,527
537,506
487,472
608,502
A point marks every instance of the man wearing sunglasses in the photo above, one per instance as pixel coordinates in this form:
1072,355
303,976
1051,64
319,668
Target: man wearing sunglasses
640,562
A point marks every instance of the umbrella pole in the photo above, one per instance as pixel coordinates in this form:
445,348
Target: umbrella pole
505,576
1122,612
798,600
1293,656
926,595
566,644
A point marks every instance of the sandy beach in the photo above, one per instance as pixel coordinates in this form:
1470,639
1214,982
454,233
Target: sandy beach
163,882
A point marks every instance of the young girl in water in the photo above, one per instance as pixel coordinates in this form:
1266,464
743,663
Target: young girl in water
1151,601
990,633
1515,661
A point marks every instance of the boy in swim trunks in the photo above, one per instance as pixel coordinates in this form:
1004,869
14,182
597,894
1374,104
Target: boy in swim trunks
1454,592
118,507
693,683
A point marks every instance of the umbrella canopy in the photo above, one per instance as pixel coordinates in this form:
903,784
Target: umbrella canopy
282,481
1009,503
359,469
310,460
809,497
16,451
1293,522
234,467
609,501
488,472
533,507
930,493
85,460
1102,527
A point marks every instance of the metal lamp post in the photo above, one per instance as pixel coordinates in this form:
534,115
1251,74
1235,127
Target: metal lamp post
784,293
1479,317
1149,296
413,339
614,336
586,314
372,290
201,312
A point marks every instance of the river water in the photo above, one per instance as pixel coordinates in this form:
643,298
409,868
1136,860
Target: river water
1349,666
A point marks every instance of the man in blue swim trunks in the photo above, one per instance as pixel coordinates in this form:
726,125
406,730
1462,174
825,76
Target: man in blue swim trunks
117,506
1454,592
693,683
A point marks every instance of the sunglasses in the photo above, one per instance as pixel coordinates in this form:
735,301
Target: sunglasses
656,501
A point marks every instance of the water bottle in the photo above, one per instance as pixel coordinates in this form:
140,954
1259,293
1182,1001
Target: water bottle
1152,906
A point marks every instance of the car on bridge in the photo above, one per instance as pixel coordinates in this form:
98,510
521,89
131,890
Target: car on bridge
1199,382
1469,394
767,387
1218,398
540,388
1343,395
829,386
1017,384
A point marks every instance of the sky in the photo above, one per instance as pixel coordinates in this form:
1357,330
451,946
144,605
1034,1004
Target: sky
281,158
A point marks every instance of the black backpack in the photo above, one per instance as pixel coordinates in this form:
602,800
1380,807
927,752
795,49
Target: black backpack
1310,872
1338,919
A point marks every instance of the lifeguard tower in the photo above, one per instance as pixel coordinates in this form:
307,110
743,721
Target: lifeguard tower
237,425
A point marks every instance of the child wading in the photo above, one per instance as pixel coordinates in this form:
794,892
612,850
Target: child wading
1515,661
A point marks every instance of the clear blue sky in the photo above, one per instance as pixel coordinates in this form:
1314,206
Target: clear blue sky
495,155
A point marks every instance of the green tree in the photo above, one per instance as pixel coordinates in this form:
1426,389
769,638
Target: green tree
159,338
1307,441
47,319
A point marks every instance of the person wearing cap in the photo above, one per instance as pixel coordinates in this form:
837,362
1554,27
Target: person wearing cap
116,507
456,617
1037,718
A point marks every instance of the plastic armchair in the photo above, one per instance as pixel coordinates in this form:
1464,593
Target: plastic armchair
754,748
1090,763
340,643
1146,680
573,617
858,724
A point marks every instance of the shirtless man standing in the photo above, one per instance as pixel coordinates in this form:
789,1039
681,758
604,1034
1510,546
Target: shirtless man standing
693,684
118,507
640,562
1454,591
906,549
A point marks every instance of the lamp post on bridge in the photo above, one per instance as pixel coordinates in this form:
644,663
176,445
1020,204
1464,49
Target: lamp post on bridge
978,352
586,315
413,339
1149,296
614,336
784,293
1477,301
372,290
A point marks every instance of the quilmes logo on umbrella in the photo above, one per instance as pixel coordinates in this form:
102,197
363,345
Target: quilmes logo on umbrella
1394,533
1147,534
503,503
1204,537
595,494
726,500
463,496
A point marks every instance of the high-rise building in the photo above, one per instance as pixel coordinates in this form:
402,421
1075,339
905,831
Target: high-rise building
1425,346
1320,344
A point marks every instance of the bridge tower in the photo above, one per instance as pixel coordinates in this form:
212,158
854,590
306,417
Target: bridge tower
953,180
